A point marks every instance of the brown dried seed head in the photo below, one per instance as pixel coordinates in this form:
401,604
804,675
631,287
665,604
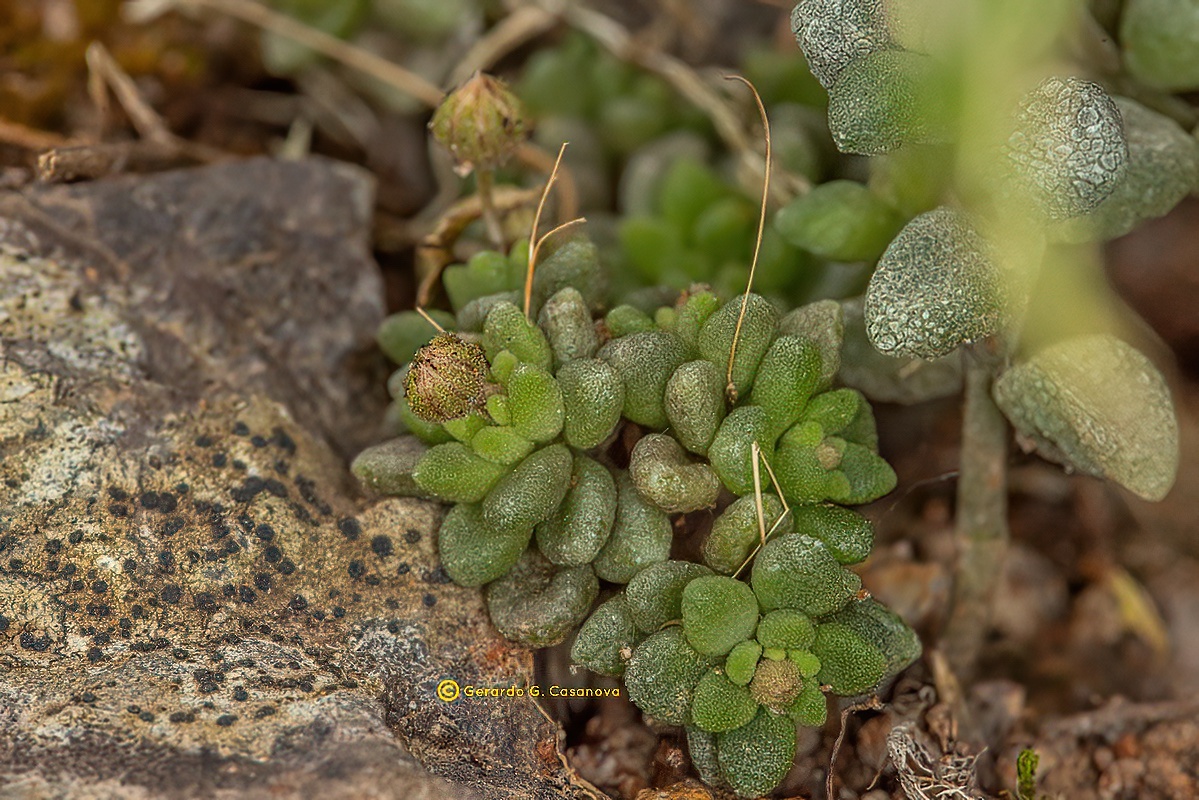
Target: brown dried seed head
447,379
481,122
776,684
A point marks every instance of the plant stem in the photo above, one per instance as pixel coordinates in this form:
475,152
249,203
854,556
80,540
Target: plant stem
484,178
981,529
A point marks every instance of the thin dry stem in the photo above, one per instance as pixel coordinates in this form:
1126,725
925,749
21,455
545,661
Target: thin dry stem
510,33
755,452
534,243
330,46
730,389
429,319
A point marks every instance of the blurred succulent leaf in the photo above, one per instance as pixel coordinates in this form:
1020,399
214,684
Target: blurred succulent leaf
1098,405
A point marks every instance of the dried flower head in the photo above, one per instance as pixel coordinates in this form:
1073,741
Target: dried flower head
447,379
481,122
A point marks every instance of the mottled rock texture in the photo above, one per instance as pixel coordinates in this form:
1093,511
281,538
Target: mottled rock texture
193,603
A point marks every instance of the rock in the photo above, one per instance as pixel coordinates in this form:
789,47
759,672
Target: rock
192,603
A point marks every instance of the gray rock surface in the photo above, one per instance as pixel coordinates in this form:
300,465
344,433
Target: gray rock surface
193,603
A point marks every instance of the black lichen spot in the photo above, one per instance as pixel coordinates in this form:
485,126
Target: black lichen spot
338,612
133,709
298,603
264,532
138,612
275,487
4,623
100,587
219,459
356,569
125,623
246,522
98,610
205,601
76,537
350,527
241,429
372,580
182,488
130,566
318,615
180,654
393,627
69,570
119,510
53,546
240,694
181,717
166,565
95,654
429,600
412,536
403,568
258,441
240,465
118,494
249,489
263,581
381,544
203,441
265,711
285,442
228,590
286,566
437,576
16,565
272,554
87,697
146,716
246,594
38,644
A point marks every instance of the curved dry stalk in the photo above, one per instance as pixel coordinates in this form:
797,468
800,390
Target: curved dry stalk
428,319
730,389
326,44
534,242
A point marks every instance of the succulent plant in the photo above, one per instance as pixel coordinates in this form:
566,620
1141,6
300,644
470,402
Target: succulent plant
1159,39
1068,148
1096,404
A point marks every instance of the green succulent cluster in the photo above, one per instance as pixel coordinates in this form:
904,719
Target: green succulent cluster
542,515
739,664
